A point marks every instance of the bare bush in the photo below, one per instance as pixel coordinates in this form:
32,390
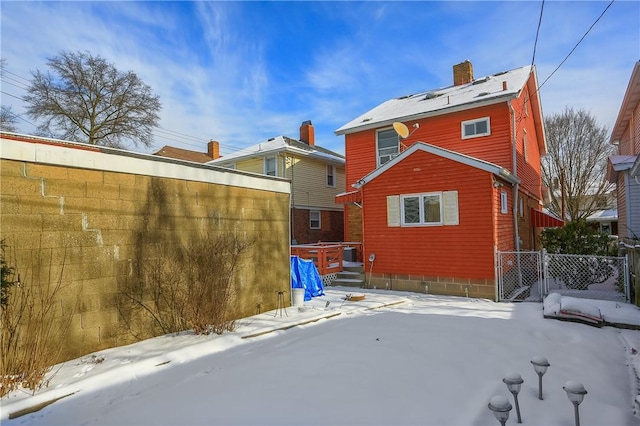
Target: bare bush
187,287
32,332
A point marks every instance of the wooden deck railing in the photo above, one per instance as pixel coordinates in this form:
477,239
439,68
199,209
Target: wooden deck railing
327,256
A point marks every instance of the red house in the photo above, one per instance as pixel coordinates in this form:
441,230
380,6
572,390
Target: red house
432,207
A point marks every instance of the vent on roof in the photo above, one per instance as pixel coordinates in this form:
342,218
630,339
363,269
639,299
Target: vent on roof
271,139
499,73
482,80
482,94
364,120
431,95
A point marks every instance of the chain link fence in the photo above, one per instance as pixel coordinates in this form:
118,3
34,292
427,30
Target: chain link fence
593,277
532,275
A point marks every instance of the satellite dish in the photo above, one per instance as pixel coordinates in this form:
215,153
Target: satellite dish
401,129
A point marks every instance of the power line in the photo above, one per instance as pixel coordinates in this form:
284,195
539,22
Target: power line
577,44
535,44
170,135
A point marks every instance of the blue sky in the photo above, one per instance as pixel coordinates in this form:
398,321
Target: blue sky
242,72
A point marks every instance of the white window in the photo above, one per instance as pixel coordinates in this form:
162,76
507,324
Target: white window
526,104
504,208
387,145
331,176
314,219
422,209
476,128
270,166
524,145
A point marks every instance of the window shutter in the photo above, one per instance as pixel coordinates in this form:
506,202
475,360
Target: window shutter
450,201
393,210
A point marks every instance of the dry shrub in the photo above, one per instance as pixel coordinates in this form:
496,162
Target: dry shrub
187,287
31,330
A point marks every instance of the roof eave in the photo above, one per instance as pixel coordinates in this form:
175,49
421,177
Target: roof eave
629,102
456,108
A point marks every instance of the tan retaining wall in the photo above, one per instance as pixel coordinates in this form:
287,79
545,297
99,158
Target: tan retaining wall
87,215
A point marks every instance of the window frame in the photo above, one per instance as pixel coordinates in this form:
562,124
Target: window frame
421,210
504,202
474,122
311,220
391,156
525,145
275,165
330,173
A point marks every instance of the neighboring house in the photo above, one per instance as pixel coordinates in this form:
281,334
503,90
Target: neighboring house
317,176
435,206
605,218
624,168
213,151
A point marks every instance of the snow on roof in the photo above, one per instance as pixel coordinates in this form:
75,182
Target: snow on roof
618,163
603,215
486,90
279,144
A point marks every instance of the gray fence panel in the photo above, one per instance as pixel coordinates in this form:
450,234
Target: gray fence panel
531,275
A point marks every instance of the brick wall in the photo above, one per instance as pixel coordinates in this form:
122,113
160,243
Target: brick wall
331,226
88,216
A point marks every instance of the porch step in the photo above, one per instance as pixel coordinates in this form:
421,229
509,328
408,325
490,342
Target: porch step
351,276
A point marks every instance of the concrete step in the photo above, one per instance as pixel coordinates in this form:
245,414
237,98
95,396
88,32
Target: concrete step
357,268
348,282
356,275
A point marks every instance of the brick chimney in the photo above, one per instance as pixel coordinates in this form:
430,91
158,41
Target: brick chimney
213,149
307,133
462,73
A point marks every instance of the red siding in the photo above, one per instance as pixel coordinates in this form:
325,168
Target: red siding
464,250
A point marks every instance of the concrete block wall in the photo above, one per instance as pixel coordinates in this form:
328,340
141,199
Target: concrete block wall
84,216
450,286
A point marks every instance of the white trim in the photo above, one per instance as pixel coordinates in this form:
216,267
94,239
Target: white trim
504,202
121,161
422,219
441,152
474,121
319,219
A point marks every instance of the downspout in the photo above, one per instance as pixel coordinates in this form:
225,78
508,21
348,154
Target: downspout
515,174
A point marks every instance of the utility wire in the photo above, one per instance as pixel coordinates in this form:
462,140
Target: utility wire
193,141
535,44
577,44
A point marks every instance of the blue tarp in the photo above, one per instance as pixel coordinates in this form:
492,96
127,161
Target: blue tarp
304,274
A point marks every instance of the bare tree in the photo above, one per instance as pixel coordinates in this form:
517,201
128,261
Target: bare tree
8,119
89,100
575,164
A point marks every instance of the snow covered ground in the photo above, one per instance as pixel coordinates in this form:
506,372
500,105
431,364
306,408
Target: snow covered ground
393,358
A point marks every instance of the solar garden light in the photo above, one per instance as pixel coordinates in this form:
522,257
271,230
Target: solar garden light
500,406
514,382
540,364
575,392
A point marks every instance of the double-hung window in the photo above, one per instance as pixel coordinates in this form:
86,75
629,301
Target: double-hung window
331,176
476,128
422,209
387,145
270,166
314,219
